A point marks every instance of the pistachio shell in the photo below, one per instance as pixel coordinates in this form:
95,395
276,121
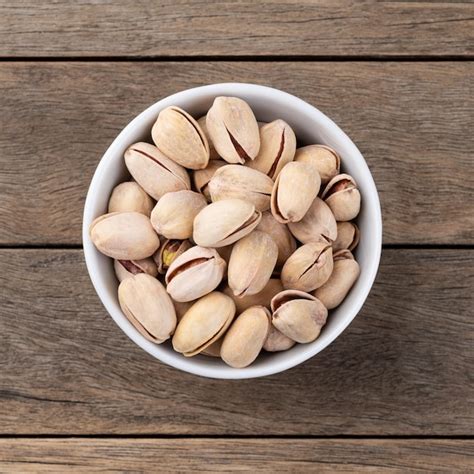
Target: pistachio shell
224,222
154,171
251,264
277,148
309,267
174,214
205,322
326,160
244,339
233,129
124,235
276,341
180,138
240,182
213,155
347,236
194,273
127,268
201,178
342,197
130,197
318,221
146,304
169,250
295,189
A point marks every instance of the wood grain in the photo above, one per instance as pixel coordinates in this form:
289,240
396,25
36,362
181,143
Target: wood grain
186,27
403,367
223,455
412,122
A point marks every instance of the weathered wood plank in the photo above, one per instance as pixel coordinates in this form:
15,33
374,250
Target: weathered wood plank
404,366
223,455
185,27
412,121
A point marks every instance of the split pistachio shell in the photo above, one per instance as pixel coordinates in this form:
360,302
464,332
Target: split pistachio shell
295,189
326,160
205,322
124,235
214,350
345,273
154,171
233,129
240,182
174,214
309,267
180,138
318,221
277,148
146,304
244,339
342,197
130,197
251,264
224,222
276,341
298,315
347,236
194,273
280,233
127,268
169,250
213,155
201,178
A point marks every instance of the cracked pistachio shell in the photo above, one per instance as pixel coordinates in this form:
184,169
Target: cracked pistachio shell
204,323
130,197
169,250
240,182
277,148
280,233
194,273
344,275
233,129
309,267
298,315
276,341
342,197
148,307
244,340
124,235
201,178
318,221
251,264
154,171
224,222
174,214
213,155
127,268
347,236
326,160
295,189
180,138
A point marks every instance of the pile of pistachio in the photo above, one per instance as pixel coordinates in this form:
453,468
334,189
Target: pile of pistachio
229,239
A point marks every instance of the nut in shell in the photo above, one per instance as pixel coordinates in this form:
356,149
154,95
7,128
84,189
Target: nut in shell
347,236
342,197
213,155
201,178
169,250
130,197
127,268
276,341
326,160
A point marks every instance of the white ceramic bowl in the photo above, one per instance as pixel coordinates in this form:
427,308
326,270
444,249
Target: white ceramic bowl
310,126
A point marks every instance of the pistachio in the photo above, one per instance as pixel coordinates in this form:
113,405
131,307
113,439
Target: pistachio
295,189
251,264
224,222
180,138
127,268
244,339
154,171
279,232
240,182
194,273
201,178
213,155
146,304
318,221
205,322
347,236
181,307
233,129
124,235
169,250
308,268
326,160
298,315
214,350
342,197
130,197
277,148
174,214
276,341
345,273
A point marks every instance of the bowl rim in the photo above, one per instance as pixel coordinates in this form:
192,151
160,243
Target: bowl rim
189,365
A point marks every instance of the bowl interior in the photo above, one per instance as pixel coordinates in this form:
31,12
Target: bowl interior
310,126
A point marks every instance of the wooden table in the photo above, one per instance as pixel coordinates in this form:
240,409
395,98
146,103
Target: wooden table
393,393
